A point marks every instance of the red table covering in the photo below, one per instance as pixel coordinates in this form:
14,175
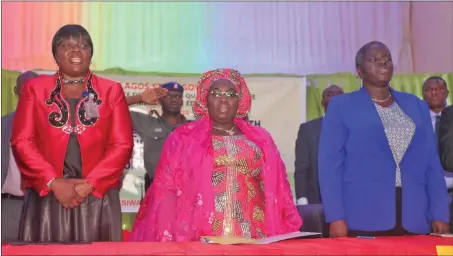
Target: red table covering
412,245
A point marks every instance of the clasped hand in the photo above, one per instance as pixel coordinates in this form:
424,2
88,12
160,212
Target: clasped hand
70,192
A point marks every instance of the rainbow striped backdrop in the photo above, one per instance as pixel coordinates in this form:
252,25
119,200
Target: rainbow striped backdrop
137,36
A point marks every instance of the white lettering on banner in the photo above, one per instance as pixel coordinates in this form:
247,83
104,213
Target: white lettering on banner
130,202
255,122
276,105
130,205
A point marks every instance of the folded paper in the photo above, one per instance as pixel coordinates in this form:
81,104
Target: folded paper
230,240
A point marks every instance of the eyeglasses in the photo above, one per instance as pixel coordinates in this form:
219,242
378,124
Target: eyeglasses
228,94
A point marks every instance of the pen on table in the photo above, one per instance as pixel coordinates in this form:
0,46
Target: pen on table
366,237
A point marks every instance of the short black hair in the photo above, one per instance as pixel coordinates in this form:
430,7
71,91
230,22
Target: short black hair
329,87
363,51
25,76
68,31
439,80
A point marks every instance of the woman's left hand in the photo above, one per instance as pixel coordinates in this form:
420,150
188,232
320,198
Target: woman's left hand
440,227
83,190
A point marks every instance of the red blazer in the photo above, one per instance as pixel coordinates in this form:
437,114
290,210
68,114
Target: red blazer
41,129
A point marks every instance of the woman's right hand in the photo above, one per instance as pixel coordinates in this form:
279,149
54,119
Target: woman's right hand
338,229
63,190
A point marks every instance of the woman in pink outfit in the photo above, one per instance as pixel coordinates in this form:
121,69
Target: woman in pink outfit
218,175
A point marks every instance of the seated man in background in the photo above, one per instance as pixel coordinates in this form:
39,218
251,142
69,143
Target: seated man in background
306,171
12,194
155,130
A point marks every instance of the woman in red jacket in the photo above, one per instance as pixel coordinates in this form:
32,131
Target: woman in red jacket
72,137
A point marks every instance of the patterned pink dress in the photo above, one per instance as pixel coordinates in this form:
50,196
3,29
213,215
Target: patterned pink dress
181,205
238,187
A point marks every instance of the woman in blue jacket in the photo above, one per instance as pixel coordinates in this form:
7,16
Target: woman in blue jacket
379,169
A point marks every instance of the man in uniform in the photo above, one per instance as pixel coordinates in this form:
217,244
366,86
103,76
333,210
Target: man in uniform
155,130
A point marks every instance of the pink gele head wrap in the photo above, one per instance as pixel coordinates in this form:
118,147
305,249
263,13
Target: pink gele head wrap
200,106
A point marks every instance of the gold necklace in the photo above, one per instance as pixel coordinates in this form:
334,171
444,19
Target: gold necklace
230,131
380,101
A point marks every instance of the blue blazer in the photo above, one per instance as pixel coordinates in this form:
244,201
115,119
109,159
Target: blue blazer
357,172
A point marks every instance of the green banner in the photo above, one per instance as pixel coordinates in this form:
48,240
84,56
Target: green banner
411,83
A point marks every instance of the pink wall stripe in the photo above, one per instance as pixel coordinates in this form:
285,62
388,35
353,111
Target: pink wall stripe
28,28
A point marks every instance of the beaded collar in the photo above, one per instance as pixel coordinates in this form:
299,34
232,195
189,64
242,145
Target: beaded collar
60,119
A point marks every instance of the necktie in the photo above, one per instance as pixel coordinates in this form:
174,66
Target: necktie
436,125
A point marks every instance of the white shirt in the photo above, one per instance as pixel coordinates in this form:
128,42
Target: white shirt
12,183
433,118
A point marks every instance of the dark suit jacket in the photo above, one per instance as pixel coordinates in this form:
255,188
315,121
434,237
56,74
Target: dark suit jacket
446,138
7,123
306,171
446,147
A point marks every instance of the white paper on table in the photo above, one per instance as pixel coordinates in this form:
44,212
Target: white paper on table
442,235
229,240
277,238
